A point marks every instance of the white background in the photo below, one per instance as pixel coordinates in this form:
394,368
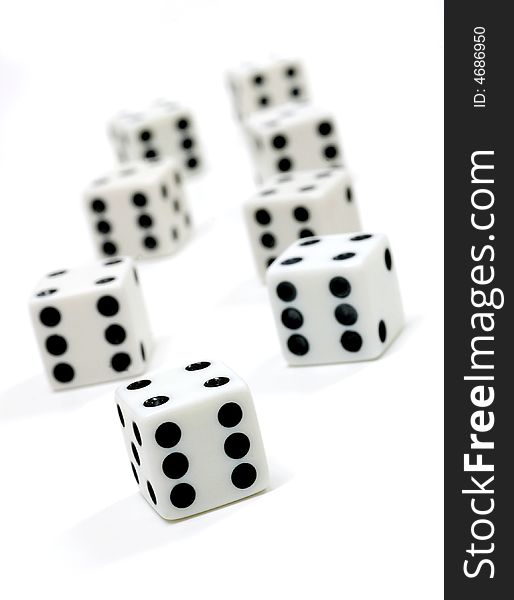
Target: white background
355,451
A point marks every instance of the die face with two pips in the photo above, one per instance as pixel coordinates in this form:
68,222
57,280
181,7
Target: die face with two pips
193,439
165,129
91,323
258,86
298,205
292,137
335,298
139,210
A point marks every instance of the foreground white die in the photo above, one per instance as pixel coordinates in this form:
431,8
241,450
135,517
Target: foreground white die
164,129
299,205
292,137
91,323
139,210
256,86
335,298
193,439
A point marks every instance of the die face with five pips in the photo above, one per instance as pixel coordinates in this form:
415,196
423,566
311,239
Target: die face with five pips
91,323
335,298
193,438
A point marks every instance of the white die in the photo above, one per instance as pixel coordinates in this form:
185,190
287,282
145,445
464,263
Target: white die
164,129
292,137
335,298
193,439
139,210
257,86
298,205
91,323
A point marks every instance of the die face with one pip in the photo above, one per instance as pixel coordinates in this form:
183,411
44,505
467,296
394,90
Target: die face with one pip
164,129
292,137
257,86
193,439
335,298
91,324
298,205
139,210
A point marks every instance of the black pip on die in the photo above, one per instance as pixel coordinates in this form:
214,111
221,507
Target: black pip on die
256,86
292,137
335,298
193,439
91,323
164,129
139,210
298,205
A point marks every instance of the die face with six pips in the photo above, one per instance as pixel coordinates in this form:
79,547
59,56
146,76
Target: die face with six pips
91,323
298,205
193,438
140,210
258,86
164,129
335,298
292,137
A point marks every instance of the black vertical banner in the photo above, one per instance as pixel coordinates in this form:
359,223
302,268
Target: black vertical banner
479,274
